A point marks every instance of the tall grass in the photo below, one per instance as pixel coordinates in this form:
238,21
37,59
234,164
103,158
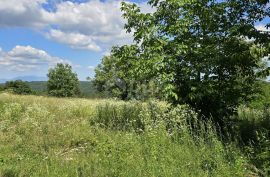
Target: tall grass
76,137
254,132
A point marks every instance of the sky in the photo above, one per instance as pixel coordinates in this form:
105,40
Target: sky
37,34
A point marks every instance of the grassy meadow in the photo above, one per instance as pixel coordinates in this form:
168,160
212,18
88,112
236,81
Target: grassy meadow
43,136
191,75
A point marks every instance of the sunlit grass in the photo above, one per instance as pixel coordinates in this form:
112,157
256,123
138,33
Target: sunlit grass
43,136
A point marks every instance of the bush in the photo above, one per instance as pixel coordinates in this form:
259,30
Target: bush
18,87
166,129
253,128
140,117
128,115
251,122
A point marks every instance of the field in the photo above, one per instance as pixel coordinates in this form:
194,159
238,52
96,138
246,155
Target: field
43,136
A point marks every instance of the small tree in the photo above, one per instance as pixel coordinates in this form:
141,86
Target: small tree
62,81
18,87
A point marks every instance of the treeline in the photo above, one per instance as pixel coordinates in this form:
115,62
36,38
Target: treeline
40,88
62,82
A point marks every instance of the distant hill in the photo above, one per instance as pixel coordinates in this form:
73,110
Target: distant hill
86,87
31,78
26,78
38,86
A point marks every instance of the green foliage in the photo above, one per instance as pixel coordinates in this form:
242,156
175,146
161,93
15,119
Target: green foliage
62,81
262,99
53,137
253,128
39,87
119,75
1,87
18,87
199,53
86,87
8,173
135,116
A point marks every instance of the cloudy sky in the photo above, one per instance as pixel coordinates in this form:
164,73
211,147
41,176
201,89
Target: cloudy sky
37,34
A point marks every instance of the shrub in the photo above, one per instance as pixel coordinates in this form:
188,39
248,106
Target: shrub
253,128
138,116
18,87
166,129
252,122
127,115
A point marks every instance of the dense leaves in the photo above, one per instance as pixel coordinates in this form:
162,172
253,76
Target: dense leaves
18,87
121,75
62,81
207,53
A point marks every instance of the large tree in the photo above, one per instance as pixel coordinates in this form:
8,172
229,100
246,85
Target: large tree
205,53
63,82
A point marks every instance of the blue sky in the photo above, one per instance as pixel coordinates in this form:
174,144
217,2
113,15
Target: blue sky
37,34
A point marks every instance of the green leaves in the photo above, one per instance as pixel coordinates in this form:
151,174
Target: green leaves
205,53
62,81
18,87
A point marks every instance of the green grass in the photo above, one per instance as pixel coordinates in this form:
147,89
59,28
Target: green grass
43,136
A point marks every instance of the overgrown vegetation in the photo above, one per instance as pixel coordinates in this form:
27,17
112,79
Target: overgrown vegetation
203,62
76,137
18,87
207,54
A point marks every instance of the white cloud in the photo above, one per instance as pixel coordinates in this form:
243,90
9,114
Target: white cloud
91,68
88,18
22,13
25,58
93,25
262,27
74,40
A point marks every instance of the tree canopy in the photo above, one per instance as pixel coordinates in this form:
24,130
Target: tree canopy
63,82
119,75
204,53
18,87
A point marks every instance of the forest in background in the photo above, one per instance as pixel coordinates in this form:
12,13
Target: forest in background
40,88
